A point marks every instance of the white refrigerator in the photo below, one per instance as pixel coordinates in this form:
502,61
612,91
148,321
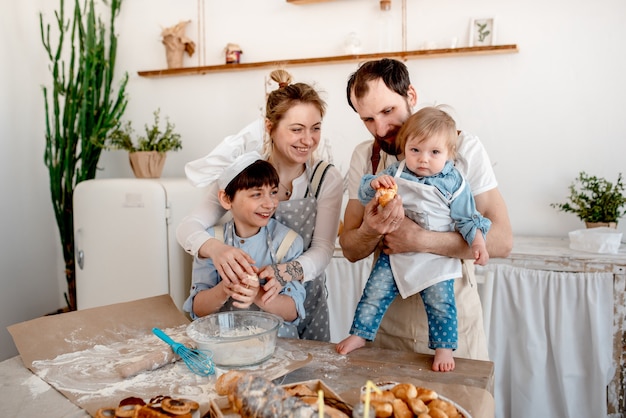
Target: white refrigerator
125,240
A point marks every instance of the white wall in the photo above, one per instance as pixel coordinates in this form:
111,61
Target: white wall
544,113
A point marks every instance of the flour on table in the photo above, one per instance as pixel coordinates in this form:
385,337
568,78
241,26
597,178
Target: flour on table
36,386
91,376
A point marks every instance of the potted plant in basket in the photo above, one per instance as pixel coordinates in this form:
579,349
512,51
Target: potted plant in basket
147,155
595,200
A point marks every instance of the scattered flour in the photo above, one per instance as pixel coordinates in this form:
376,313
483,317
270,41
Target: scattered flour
92,376
36,386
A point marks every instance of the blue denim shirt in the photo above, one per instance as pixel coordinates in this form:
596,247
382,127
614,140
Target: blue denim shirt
462,206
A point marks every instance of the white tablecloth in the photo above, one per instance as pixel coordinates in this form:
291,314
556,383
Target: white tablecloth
550,337
345,282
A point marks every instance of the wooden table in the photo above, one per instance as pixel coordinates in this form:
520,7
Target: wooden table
25,394
347,373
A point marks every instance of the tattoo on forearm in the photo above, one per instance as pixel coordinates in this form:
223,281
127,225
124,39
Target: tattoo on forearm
293,271
278,276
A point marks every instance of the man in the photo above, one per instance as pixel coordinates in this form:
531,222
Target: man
382,95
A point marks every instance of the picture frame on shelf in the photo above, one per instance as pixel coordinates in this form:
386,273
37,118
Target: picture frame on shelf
482,31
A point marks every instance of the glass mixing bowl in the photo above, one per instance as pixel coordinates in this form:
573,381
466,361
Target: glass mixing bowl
236,338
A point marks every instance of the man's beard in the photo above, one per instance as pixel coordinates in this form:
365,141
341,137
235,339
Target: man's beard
388,146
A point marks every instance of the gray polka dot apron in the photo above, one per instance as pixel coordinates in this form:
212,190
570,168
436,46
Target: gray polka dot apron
299,214
286,329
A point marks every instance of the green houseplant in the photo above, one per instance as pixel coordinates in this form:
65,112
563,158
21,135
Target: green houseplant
147,153
81,108
595,200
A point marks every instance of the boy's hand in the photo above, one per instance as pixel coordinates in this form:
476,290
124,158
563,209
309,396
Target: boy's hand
246,291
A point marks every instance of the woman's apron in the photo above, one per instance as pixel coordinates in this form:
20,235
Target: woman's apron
286,330
299,215
425,205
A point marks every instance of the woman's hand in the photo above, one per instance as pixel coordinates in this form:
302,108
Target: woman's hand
230,262
272,286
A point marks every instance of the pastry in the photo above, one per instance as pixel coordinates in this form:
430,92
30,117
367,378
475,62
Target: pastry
404,391
105,413
254,396
225,384
158,407
127,410
175,406
401,409
405,400
149,411
382,409
386,194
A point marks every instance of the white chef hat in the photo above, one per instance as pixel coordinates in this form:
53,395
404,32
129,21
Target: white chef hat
227,174
206,170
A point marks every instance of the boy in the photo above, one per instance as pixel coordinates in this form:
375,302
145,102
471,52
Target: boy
248,189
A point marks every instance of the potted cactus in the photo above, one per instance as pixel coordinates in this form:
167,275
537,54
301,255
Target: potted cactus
82,106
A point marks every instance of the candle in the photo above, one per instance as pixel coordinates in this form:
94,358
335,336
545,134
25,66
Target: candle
320,403
369,387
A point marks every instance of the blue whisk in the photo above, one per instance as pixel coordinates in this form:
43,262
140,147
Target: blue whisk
197,361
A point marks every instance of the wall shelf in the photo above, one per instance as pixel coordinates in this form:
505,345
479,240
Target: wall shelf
305,1
403,55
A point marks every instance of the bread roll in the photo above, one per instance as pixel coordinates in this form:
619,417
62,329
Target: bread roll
437,413
386,194
227,382
401,410
382,409
449,409
417,406
405,391
426,394
384,396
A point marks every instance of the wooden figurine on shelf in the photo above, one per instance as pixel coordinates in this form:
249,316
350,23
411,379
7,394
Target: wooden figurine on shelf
233,53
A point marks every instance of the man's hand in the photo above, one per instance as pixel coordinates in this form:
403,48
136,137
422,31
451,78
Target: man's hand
364,226
408,237
383,220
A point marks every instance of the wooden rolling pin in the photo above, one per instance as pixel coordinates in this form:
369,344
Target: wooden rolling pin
151,361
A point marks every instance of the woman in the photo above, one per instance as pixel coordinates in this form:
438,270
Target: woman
292,129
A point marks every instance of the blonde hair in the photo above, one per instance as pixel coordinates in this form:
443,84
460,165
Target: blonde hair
284,98
427,122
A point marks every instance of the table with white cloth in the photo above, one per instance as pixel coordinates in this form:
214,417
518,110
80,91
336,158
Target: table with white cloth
345,282
554,319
